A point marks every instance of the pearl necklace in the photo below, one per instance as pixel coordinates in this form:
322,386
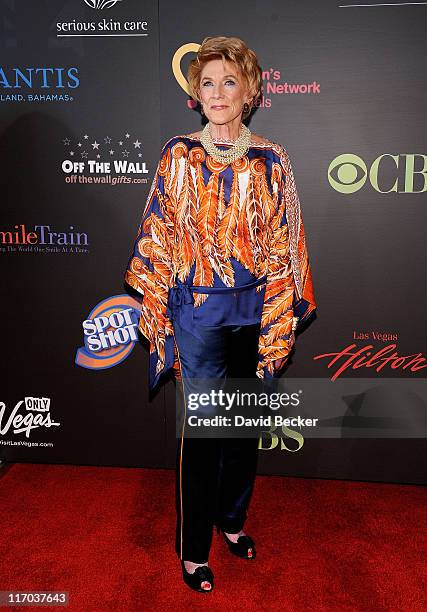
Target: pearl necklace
239,148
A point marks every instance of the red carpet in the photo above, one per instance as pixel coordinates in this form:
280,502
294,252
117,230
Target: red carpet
106,536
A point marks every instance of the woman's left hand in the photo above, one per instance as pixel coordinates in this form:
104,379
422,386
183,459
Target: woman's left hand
279,363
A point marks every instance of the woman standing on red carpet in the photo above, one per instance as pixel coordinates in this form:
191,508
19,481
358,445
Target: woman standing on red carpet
221,260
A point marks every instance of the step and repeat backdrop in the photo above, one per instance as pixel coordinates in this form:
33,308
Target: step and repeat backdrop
90,90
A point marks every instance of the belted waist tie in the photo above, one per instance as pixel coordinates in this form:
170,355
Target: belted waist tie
180,305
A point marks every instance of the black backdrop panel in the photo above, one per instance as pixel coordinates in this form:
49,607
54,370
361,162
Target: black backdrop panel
88,95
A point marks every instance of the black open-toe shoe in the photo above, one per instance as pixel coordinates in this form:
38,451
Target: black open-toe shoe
243,548
202,574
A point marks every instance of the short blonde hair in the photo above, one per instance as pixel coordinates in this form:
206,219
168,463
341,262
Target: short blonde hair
234,50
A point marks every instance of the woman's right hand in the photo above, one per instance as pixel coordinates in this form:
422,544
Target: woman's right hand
279,363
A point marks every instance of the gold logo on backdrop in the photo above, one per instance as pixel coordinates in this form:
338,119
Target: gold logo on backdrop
177,71
270,439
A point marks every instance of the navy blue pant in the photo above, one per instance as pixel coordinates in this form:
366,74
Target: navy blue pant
215,476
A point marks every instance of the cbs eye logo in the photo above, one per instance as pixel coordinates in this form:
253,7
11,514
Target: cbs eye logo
348,173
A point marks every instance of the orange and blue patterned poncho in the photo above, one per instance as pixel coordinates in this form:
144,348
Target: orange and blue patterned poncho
211,224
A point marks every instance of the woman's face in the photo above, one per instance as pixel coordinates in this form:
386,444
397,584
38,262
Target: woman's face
223,91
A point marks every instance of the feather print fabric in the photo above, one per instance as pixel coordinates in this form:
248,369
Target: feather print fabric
221,225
